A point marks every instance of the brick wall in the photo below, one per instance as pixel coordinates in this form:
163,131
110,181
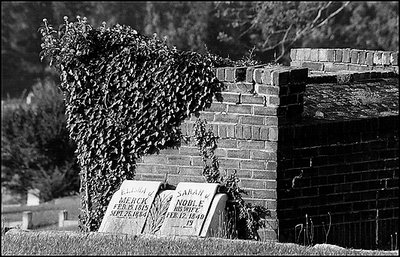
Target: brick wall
344,59
255,101
347,168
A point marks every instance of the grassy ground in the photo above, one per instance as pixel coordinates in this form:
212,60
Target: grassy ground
47,239
76,243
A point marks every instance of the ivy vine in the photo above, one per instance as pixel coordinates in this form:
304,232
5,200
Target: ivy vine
245,219
126,96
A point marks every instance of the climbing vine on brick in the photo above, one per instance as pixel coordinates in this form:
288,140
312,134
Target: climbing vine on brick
244,219
126,95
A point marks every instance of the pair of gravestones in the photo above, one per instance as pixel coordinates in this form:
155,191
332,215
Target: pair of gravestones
140,207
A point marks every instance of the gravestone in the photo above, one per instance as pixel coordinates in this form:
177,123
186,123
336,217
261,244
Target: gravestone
129,206
188,209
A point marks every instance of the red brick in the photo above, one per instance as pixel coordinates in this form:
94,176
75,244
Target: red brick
346,55
264,133
258,72
179,160
255,133
247,132
243,109
228,118
273,134
238,131
229,163
190,171
362,57
354,56
300,54
313,66
268,90
330,53
263,110
220,152
227,143
197,161
230,74
378,58
221,74
307,54
191,151
266,77
252,99
230,97
252,183
259,155
386,58
250,144
293,54
155,159
273,100
338,55
271,120
241,154
163,169
249,74
296,63
263,174
217,107
335,66
369,58
271,146
143,168
394,58
264,194
230,131
252,120
314,55
323,55
252,165
209,116
240,87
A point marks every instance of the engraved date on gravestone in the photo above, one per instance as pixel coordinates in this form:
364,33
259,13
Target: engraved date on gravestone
188,208
129,207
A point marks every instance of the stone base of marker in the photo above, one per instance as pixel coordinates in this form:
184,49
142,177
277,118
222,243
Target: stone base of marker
192,209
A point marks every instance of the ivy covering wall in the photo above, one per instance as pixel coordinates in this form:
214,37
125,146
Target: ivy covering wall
126,95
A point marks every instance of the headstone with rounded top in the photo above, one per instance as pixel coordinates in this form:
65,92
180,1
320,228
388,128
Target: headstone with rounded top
188,209
129,207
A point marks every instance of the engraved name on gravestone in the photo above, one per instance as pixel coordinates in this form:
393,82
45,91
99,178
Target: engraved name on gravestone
188,209
127,211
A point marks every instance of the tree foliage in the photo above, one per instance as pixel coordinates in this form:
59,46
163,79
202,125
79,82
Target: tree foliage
36,151
229,29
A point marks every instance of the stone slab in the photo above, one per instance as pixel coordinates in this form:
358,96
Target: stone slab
215,224
129,207
188,209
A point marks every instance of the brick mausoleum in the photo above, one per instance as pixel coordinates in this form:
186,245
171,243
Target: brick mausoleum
318,138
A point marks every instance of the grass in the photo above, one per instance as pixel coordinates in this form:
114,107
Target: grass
78,243
48,239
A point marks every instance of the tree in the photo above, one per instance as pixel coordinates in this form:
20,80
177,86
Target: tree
36,151
275,27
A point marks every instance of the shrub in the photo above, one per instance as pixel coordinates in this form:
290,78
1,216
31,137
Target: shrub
36,150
